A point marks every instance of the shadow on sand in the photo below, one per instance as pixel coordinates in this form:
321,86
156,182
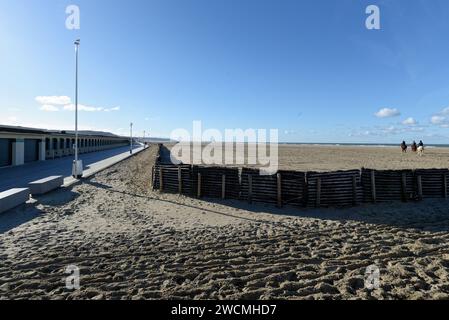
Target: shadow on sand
29,211
428,215
18,216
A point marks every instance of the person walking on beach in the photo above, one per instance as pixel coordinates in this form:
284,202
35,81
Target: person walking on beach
404,147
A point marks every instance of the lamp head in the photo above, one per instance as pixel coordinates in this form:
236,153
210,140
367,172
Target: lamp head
77,42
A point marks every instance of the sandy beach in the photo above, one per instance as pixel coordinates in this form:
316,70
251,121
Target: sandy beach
134,243
302,157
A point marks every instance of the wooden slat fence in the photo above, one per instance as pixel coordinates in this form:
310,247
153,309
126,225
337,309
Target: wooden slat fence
433,183
388,185
294,188
175,179
334,189
217,182
312,189
258,188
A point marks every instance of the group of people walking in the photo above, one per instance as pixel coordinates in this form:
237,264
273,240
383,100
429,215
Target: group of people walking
415,147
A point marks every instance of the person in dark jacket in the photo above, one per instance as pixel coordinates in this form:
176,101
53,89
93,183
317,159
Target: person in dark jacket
404,147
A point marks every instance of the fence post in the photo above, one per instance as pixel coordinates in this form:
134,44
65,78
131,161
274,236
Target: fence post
161,180
199,186
373,186
223,186
279,189
179,180
404,186
445,185
250,188
152,177
354,190
318,192
420,195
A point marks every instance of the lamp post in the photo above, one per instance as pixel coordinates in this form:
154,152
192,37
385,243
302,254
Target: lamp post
77,168
131,139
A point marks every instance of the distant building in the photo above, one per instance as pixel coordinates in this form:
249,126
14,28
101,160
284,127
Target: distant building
19,145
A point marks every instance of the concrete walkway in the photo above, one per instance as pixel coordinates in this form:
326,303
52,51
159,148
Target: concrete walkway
19,177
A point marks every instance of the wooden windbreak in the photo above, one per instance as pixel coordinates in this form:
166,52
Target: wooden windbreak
388,185
217,182
431,183
312,189
334,189
173,179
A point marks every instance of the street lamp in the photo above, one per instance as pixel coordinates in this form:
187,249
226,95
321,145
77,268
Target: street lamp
77,168
131,139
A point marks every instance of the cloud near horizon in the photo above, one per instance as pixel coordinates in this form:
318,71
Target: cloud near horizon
441,119
387,113
52,103
410,122
53,100
49,108
81,107
381,131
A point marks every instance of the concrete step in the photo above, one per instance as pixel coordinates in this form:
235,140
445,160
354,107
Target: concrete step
12,198
46,185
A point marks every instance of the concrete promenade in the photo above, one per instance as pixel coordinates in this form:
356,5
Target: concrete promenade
19,177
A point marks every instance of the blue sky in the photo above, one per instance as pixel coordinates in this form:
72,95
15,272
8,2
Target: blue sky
308,68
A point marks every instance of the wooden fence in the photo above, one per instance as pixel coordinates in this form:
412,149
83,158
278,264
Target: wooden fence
334,189
285,187
217,182
312,189
388,185
174,179
432,183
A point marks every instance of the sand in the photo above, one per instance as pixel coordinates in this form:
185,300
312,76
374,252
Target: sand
133,243
332,158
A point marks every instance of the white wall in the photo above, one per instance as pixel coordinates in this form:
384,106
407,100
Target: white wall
18,152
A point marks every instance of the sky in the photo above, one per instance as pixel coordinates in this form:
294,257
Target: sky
310,69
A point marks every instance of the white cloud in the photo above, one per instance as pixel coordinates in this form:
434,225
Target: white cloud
387,113
441,118
112,109
381,131
438,120
409,122
82,107
445,111
49,108
53,100
52,103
